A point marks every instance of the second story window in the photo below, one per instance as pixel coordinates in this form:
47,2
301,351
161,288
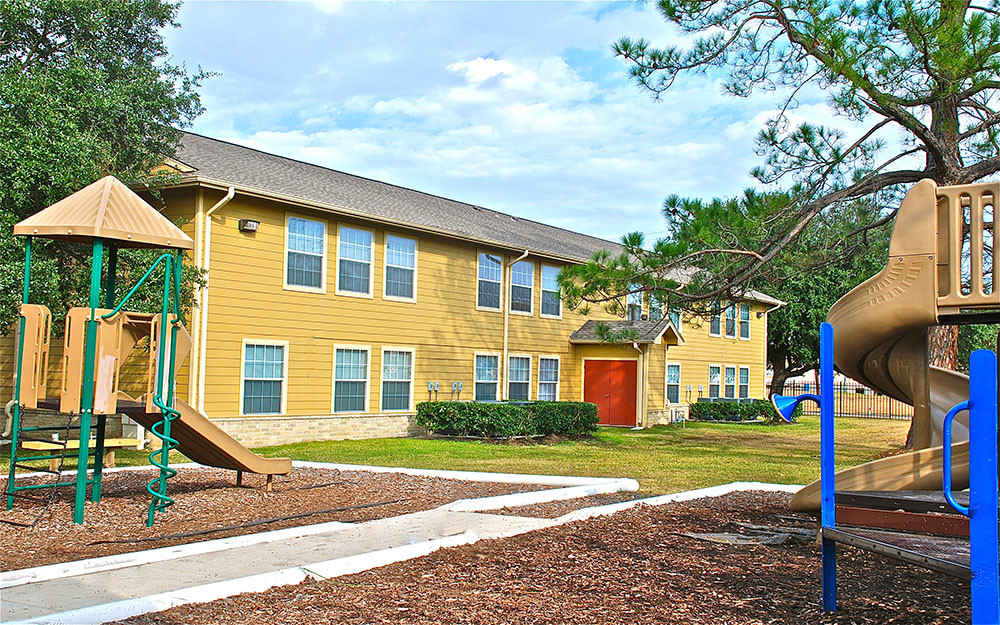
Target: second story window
551,298
522,278
306,253
488,283
745,321
715,323
400,268
354,261
634,303
731,322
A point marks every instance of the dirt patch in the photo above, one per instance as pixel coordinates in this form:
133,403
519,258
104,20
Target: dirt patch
632,567
553,509
209,499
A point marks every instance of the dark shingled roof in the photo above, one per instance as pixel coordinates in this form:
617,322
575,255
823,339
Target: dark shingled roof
645,331
270,174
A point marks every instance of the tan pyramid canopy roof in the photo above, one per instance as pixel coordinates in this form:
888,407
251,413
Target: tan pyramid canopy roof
106,209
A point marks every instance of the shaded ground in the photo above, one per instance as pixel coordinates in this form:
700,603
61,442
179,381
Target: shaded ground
632,567
208,499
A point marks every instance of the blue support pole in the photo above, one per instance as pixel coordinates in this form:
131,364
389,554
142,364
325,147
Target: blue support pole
828,504
983,483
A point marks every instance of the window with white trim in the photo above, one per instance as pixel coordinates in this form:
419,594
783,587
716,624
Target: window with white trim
633,303
519,378
397,379
487,377
731,322
656,307
350,379
522,280
551,297
306,253
715,322
263,378
675,318
490,274
548,379
400,267
744,390
673,383
730,389
745,321
354,261
714,380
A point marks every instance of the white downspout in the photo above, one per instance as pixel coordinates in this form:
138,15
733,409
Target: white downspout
641,391
203,301
506,322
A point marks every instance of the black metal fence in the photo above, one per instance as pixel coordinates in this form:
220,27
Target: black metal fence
854,400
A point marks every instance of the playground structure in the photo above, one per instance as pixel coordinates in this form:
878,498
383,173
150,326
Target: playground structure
98,341
940,270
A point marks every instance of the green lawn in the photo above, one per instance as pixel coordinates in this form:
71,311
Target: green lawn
664,459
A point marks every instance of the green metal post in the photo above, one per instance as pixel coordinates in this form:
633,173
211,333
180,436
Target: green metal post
102,420
87,394
164,378
16,413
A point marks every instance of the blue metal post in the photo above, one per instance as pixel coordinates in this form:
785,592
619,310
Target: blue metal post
827,466
983,482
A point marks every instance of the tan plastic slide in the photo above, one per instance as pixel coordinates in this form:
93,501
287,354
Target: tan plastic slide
206,443
935,269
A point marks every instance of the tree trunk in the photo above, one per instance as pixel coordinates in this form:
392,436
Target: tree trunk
778,382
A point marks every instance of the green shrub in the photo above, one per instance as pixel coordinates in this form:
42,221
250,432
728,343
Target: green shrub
564,417
504,420
734,411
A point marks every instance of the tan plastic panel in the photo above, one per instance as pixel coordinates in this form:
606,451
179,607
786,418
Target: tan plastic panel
181,352
880,339
35,359
105,209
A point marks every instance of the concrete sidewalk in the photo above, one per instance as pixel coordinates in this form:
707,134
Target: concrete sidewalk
123,592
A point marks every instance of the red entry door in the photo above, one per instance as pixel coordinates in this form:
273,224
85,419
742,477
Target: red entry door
611,384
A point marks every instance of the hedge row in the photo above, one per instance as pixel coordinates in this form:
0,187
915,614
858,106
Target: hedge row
733,411
503,420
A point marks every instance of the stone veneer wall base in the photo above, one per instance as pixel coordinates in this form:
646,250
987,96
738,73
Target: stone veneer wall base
262,431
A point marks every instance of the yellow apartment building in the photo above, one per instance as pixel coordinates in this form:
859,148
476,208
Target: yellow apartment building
335,303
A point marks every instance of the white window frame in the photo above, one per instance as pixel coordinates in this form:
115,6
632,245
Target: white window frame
736,320
713,315
507,380
368,379
371,263
542,291
740,322
739,376
666,382
382,380
736,381
385,267
284,265
498,309
721,380
539,382
284,370
510,291
499,379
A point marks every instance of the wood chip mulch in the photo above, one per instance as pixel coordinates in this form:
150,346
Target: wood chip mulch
631,567
208,499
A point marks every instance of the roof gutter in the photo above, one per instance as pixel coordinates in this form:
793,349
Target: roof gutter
203,296
506,320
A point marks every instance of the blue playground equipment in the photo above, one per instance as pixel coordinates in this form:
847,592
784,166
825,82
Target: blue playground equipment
935,548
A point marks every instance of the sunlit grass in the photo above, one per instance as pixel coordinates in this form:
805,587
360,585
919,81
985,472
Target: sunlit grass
663,459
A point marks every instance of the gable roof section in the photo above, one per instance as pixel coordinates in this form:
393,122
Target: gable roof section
645,331
105,209
246,168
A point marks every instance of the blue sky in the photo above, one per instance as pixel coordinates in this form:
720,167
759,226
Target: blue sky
517,106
